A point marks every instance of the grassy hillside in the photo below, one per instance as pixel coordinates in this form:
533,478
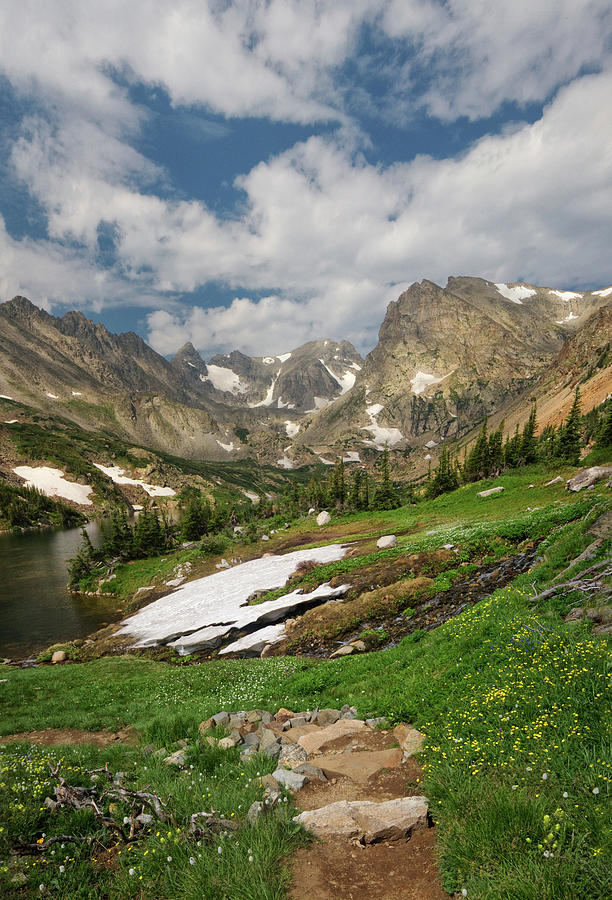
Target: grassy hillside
514,703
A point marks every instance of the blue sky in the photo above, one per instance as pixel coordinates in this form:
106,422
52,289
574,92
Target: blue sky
256,174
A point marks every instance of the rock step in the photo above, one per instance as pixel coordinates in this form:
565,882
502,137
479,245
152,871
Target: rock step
365,821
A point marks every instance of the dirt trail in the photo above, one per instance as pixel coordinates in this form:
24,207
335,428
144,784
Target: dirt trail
336,868
58,737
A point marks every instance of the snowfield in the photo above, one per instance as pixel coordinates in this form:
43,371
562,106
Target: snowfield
380,434
516,294
115,473
422,380
204,613
53,484
224,380
567,295
603,293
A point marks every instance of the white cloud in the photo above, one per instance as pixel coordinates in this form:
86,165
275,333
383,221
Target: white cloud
329,238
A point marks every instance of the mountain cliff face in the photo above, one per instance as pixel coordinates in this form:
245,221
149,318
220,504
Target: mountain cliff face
448,356
445,358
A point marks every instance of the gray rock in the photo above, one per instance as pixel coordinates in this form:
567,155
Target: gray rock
378,722
267,738
178,758
327,716
252,740
490,492
221,718
255,811
589,477
323,518
289,779
386,541
292,755
272,751
248,753
366,821
348,712
602,629
236,736
574,615
271,796
297,721
312,773
227,743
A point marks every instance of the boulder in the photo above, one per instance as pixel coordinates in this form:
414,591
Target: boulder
358,646
491,491
360,766
410,740
178,758
345,650
227,743
221,718
289,779
59,656
589,477
312,773
292,755
326,716
323,518
203,727
386,541
366,821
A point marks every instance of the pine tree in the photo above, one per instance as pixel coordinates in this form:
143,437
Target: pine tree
445,477
512,449
604,434
195,519
495,451
477,463
569,439
385,496
529,447
355,494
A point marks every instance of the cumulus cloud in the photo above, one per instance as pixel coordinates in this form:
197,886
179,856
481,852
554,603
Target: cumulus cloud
326,236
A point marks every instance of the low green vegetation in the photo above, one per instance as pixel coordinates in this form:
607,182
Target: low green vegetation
26,507
514,703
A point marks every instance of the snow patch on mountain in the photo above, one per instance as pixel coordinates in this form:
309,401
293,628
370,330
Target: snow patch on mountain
603,293
567,319
351,456
284,357
285,463
346,380
267,400
229,447
567,295
423,380
52,483
223,379
517,294
319,403
292,428
6,397
116,474
380,434
76,393
53,396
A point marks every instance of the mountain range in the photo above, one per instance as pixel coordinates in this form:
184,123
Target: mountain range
445,358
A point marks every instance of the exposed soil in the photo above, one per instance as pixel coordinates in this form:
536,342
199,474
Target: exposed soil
57,737
336,869
331,870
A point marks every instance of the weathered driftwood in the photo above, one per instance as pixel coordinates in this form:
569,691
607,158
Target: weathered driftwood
56,839
579,583
590,551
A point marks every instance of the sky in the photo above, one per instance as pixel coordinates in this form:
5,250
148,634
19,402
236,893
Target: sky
254,174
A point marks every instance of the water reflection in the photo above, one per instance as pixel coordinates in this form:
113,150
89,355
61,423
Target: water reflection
36,608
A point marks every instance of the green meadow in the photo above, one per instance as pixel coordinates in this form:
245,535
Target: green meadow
514,703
